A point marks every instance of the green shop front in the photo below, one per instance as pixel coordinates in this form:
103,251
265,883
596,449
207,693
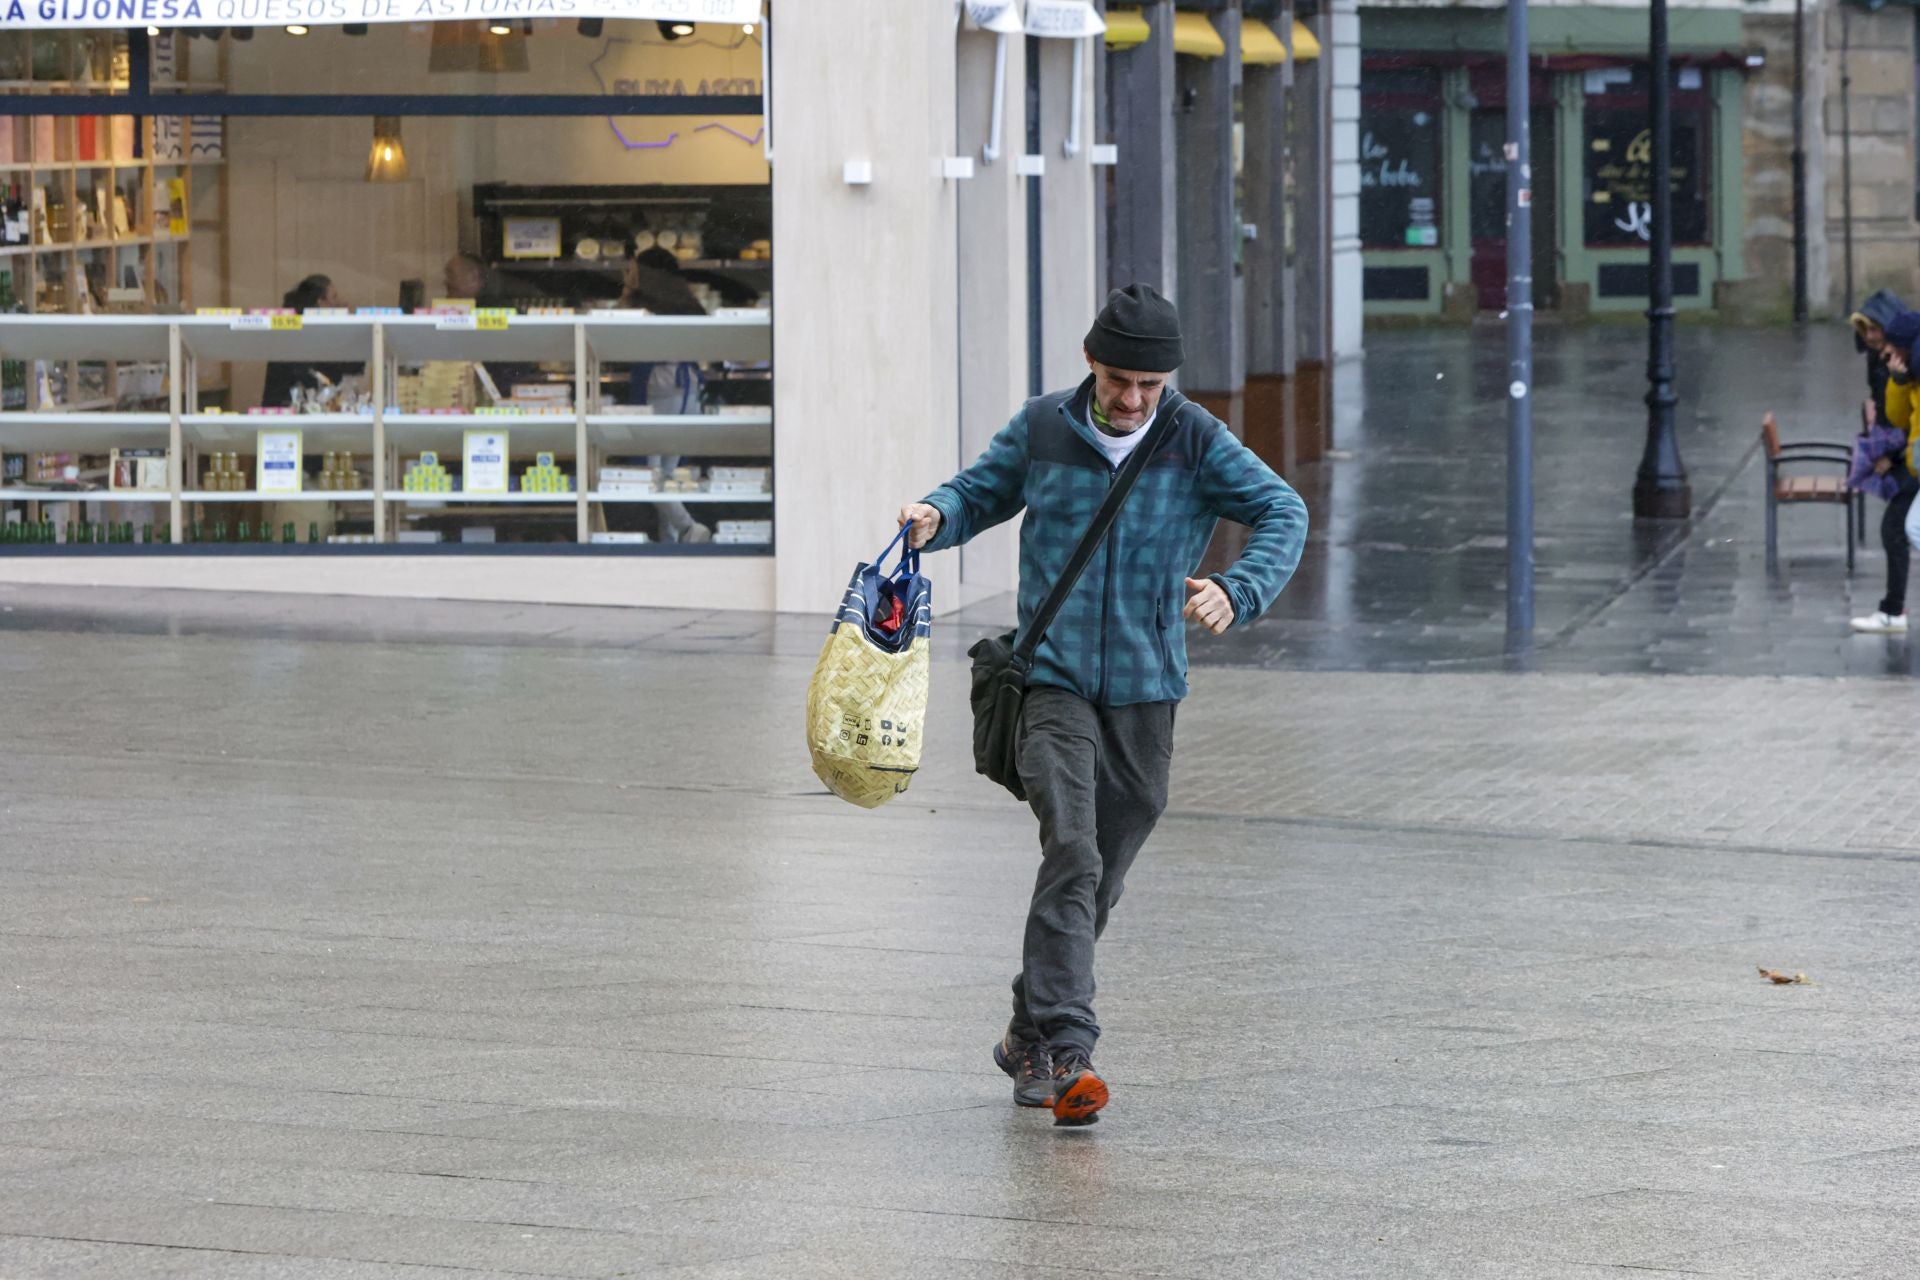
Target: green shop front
1433,175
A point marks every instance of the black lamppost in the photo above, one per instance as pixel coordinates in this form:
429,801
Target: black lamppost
1799,161
1661,491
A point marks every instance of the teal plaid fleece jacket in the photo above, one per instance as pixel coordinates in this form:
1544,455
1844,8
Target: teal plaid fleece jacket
1119,639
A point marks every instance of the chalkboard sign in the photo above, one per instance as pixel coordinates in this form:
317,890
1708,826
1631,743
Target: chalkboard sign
1619,177
1400,194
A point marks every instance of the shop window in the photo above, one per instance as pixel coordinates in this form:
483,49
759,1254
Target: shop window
469,332
1395,284
1632,279
1401,196
1618,150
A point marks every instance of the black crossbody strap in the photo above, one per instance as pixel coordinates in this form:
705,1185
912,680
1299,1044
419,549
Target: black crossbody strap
1096,533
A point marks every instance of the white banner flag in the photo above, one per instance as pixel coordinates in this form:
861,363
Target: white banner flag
46,14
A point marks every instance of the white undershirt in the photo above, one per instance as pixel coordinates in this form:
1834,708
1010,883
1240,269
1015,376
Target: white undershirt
1118,447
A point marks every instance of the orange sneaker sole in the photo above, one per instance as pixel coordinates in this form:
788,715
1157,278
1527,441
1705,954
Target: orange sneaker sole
1081,1100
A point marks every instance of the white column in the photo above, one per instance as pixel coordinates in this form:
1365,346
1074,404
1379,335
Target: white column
1070,276
993,289
1343,55
866,400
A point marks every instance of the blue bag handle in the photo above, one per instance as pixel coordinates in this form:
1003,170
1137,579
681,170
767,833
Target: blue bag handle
909,558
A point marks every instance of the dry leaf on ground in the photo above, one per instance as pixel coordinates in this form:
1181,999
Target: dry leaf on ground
1785,979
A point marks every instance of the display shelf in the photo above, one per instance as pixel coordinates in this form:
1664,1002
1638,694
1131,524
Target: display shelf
91,432
11,493
254,495
318,340
745,499
83,417
525,340
715,434
85,338
728,335
508,421
411,499
446,433
267,420
319,432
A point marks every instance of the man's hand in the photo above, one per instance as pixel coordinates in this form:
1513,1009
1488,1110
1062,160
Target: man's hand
925,521
1209,605
1897,363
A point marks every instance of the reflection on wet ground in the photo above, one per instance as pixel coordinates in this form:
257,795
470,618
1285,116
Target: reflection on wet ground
1405,568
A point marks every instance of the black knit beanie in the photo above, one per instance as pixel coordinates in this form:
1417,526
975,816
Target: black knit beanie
1137,329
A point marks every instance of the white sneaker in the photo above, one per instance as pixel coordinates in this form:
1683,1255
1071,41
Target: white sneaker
1881,624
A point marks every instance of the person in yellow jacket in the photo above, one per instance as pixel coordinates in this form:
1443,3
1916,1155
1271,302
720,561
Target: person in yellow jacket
1893,343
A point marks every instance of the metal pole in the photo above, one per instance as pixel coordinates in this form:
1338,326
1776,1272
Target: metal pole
1799,162
1661,491
1846,145
1036,276
1519,155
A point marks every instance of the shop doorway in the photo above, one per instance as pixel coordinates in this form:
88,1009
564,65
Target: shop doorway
1487,195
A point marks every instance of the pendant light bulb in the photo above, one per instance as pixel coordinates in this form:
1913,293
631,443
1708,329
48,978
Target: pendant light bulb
387,158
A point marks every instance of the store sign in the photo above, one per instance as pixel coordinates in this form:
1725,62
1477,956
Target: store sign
45,14
1000,16
1063,19
486,462
279,453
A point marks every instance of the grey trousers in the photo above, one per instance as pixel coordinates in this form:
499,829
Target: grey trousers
1097,780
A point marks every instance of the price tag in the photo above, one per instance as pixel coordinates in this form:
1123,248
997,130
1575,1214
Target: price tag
462,321
265,323
491,319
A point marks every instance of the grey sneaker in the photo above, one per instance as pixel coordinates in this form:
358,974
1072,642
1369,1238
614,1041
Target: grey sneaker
1031,1066
1079,1092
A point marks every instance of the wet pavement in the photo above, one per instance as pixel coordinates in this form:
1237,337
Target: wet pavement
389,940
1406,566
338,959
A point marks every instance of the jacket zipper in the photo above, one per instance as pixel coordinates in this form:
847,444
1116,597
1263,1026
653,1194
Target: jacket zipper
1106,594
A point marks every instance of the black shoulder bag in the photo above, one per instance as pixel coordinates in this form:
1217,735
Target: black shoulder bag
1000,666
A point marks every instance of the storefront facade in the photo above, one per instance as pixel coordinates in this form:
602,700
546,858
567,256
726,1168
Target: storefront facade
1433,176
659,303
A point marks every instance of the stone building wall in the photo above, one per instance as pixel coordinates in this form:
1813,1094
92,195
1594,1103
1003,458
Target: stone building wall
1886,236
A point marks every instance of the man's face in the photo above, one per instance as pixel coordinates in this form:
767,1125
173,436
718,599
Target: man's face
462,279
1127,397
1874,338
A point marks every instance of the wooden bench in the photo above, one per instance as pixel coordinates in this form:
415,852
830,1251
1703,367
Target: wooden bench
1783,488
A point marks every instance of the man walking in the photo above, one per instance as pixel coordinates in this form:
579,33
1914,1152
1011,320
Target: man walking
1097,735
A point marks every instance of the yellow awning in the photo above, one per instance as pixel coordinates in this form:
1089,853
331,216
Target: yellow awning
1126,29
1194,35
1260,47
1305,47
